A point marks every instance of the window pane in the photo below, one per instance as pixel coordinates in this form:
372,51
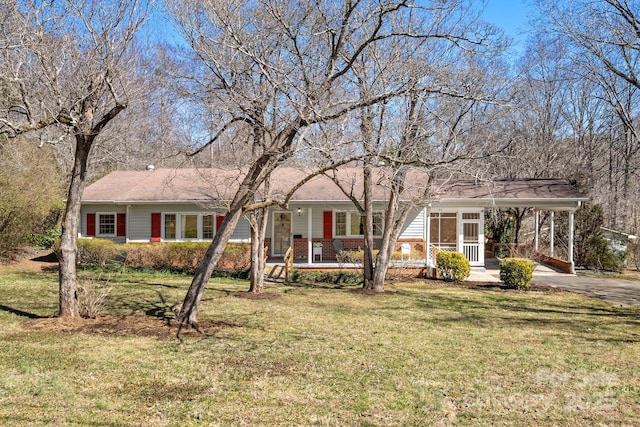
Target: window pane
107,224
170,226
341,223
448,230
471,215
189,226
470,232
207,227
377,224
357,225
443,229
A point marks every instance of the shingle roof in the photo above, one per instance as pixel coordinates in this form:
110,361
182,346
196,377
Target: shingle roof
174,185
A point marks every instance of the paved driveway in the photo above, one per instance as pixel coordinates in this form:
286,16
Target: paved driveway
625,292
620,291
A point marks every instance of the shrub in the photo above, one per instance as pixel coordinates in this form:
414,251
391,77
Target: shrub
177,256
47,239
91,296
332,277
453,266
602,257
634,253
97,251
516,273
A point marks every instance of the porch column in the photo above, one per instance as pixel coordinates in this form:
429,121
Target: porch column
552,230
537,246
427,234
309,236
570,255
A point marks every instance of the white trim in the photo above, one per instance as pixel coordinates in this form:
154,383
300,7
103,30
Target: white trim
480,222
310,235
347,234
126,225
551,235
178,226
115,224
570,252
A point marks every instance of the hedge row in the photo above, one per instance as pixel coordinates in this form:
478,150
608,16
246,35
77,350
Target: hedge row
183,256
332,277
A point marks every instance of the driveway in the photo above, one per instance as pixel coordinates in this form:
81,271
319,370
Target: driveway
619,291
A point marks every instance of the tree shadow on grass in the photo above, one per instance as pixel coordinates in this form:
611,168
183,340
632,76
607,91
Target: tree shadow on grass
494,311
21,313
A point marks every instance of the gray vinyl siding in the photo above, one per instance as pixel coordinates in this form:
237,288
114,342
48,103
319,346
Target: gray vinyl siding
242,231
413,227
99,208
140,220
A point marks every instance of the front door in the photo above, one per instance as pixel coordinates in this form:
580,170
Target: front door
281,232
472,225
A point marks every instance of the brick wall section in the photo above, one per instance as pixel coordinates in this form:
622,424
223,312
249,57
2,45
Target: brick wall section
564,266
329,253
300,246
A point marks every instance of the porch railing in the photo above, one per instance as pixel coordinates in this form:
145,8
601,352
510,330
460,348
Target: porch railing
471,251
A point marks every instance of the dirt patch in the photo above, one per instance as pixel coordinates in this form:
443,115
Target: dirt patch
143,326
32,260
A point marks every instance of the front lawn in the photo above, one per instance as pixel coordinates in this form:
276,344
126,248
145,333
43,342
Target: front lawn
422,354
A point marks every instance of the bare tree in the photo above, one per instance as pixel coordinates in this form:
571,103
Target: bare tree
67,64
608,30
601,41
284,67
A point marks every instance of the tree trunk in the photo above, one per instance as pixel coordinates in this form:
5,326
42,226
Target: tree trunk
68,298
368,265
256,175
189,310
258,231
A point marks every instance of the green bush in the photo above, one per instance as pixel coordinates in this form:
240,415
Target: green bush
634,253
516,273
47,239
332,277
602,257
453,266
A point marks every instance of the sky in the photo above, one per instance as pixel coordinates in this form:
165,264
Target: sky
511,16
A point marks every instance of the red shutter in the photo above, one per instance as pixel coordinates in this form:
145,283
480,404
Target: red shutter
121,225
219,219
91,225
327,223
156,227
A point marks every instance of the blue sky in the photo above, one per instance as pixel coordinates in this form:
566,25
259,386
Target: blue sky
511,16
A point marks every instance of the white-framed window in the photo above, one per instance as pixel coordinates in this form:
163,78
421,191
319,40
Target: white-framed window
443,229
188,226
351,224
106,224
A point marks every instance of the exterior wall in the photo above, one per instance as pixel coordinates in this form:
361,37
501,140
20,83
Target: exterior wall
139,219
414,232
98,209
414,227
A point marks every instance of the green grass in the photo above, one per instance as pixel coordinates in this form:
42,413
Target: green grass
423,354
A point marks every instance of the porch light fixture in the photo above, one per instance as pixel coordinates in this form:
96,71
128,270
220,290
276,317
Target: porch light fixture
299,212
